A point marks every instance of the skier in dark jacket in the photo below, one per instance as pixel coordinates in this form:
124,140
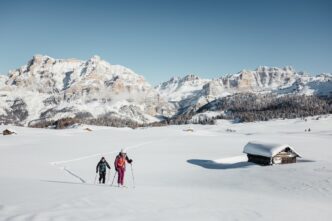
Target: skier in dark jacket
120,166
101,167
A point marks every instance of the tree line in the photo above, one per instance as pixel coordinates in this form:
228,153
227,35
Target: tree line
242,107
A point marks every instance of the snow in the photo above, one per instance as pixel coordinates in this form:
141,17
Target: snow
265,149
206,115
95,86
177,89
178,175
75,84
192,91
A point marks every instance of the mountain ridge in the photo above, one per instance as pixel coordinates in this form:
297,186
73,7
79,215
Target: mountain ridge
51,89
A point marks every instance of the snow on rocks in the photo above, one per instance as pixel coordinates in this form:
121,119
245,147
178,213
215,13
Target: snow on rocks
49,89
57,88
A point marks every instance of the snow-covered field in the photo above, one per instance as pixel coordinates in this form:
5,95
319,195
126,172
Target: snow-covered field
179,175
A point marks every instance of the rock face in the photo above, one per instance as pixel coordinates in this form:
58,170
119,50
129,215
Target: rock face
280,81
48,88
52,89
177,89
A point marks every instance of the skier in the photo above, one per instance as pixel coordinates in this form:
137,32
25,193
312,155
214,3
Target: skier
120,166
101,167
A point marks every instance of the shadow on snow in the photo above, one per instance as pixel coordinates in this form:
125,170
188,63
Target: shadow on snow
304,161
209,164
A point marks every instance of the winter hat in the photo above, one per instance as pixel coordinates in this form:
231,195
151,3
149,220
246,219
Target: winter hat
123,151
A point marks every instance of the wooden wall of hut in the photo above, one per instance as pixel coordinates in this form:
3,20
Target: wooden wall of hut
259,159
286,159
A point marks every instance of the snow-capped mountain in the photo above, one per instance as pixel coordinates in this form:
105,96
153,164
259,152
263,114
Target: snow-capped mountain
51,89
192,92
270,79
177,89
48,88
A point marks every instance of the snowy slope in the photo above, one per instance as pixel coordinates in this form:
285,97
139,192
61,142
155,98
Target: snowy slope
179,175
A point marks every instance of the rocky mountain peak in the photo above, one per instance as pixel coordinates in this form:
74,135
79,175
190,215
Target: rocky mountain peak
48,88
95,58
56,88
190,77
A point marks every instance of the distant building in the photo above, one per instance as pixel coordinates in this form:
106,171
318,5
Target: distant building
270,153
8,132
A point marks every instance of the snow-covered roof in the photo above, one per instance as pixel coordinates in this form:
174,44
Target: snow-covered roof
11,130
265,149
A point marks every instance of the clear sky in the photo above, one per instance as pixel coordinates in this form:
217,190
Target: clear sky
160,39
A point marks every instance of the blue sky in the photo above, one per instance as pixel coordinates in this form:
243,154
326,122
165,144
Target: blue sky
160,39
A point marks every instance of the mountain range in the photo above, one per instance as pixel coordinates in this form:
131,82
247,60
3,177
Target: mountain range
48,89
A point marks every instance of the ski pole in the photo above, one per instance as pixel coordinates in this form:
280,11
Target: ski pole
114,178
95,178
132,174
108,176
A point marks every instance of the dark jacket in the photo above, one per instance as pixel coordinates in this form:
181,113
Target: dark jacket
101,166
116,166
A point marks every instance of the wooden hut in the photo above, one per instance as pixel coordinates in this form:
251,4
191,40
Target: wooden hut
8,132
270,153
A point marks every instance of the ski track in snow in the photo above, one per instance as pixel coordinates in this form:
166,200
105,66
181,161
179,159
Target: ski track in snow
98,154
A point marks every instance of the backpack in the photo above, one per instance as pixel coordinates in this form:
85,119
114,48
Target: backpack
102,167
121,162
